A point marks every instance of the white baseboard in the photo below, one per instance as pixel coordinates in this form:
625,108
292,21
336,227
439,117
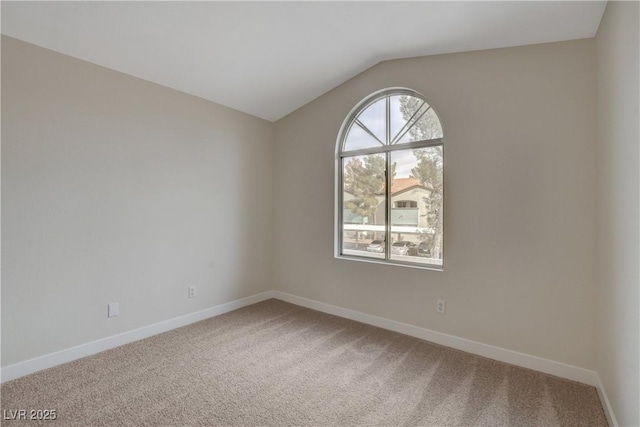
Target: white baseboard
30,366
606,405
536,363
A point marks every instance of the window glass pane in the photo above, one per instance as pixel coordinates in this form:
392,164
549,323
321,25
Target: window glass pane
374,118
363,206
358,138
401,109
428,127
412,120
416,200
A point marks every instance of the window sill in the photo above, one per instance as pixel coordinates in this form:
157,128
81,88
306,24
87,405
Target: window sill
431,267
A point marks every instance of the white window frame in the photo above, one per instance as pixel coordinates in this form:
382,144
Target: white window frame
386,150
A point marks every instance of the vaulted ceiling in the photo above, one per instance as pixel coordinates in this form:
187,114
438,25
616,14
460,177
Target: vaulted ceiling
270,58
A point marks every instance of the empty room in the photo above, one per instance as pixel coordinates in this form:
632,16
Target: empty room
320,213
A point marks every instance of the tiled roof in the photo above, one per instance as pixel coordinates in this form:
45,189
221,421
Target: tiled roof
401,184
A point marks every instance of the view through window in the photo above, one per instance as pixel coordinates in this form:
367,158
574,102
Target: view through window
391,179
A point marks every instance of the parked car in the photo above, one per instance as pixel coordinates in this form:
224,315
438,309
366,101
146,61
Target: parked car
424,250
404,248
376,246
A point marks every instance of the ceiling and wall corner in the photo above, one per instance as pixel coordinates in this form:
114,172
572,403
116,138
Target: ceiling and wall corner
270,58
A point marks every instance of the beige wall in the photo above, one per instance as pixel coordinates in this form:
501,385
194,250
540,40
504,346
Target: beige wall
618,157
119,190
520,218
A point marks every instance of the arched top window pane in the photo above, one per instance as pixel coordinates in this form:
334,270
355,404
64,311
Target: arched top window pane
391,119
412,119
373,118
358,138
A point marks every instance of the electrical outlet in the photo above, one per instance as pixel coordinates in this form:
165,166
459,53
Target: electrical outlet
441,306
192,291
113,310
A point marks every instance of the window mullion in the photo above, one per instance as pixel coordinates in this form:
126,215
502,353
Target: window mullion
375,150
341,207
387,233
389,176
388,119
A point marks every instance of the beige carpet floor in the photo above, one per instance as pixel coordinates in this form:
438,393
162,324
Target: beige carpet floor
277,364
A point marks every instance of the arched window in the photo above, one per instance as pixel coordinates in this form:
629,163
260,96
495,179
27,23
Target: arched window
389,169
